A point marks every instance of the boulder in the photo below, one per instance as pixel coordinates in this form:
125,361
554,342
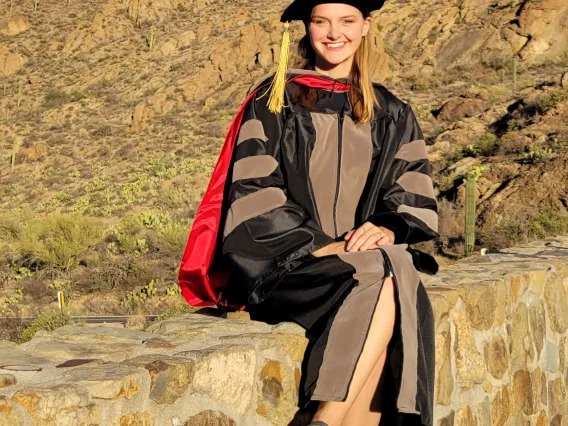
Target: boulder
14,25
459,108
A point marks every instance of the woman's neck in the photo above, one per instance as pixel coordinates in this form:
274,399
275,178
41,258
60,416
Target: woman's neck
336,71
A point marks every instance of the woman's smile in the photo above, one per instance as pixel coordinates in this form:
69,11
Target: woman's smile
334,47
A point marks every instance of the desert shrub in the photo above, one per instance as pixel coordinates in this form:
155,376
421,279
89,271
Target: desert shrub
102,131
533,225
11,301
154,220
128,237
558,141
499,63
513,143
11,328
48,321
170,239
102,305
141,295
12,225
59,241
419,83
136,322
149,232
117,273
499,93
546,102
450,218
36,290
173,197
539,155
56,97
158,288
176,310
5,274
484,147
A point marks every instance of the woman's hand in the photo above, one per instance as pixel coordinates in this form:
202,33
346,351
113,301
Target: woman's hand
333,248
368,237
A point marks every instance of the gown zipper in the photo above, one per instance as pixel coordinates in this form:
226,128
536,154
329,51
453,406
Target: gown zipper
339,149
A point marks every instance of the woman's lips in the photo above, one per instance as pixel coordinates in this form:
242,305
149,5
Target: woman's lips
334,49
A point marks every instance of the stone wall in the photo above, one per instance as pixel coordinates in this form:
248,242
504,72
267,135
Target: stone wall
501,338
501,351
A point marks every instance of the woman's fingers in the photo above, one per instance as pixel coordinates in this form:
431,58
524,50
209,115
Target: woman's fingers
363,229
368,237
371,241
384,241
366,240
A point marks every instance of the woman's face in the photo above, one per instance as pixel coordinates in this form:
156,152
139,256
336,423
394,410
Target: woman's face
336,31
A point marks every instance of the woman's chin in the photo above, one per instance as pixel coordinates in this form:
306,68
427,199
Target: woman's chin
333,60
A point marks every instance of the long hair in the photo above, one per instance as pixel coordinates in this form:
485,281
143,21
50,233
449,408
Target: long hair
362,94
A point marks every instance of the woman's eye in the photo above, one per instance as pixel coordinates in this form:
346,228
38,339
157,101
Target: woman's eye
349,22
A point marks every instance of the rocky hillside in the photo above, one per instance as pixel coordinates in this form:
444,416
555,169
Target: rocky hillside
113,112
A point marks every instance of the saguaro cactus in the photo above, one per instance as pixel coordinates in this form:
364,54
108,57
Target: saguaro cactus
151,38
19,99
470,205
15,148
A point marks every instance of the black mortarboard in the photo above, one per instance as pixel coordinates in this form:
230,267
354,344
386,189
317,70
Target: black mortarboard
301,10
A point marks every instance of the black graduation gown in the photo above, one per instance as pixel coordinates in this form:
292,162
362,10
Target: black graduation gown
302,179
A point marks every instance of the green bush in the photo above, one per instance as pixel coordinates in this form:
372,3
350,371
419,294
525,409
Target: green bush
538,155
56,97
177,310
59,241
542,223
484,147
171,238
141,295
548,101
48,321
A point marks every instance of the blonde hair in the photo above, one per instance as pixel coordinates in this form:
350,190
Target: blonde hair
362,94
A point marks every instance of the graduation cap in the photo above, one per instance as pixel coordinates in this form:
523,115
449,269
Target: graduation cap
300,10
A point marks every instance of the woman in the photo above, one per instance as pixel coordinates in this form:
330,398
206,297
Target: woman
313,223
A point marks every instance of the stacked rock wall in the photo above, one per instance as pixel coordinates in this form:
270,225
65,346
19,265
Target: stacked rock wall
501,338
501,348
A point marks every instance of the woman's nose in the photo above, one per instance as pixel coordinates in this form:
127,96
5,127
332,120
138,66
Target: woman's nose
334,31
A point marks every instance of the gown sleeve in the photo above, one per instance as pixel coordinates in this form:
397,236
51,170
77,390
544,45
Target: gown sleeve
408,205
265,231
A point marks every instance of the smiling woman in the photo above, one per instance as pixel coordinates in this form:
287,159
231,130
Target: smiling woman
319,190
336,34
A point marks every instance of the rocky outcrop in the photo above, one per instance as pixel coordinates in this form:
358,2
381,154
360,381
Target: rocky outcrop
10,61
458,32
501,358
14,25
543,187
108,24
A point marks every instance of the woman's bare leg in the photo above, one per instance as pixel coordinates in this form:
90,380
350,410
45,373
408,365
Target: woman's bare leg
363,411
380,333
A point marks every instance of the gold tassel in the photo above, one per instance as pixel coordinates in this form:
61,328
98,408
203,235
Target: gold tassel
277,87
